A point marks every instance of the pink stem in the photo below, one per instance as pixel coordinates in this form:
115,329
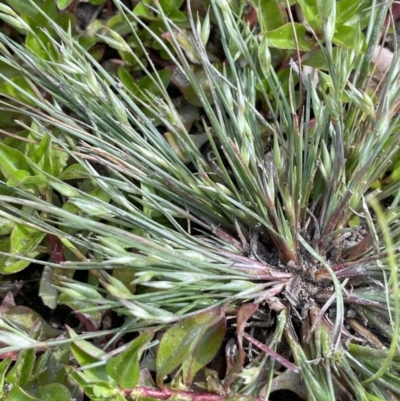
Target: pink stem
283,361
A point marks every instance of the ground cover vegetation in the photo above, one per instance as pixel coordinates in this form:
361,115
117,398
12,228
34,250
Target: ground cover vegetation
199,200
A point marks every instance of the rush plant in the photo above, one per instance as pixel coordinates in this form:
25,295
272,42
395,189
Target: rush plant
267,220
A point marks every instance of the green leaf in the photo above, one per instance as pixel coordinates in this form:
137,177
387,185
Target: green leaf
8,71
4,365
283,37
47,291
170,5
50,14
318,60
54,391
50,366
6,226
270,14
73,172
177,16
145,84
62,4
189,93
25,319
17,394
346,9
349,36
124,368
311,14
92,318
142,11
86,354
24,241
64,189
121,24
12,160
31,183
24,7
41,154
204,351
183,339
21,371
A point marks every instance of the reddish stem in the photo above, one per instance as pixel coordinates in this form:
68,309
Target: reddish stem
167,393
279,358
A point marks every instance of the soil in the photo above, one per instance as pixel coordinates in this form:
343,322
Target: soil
284,395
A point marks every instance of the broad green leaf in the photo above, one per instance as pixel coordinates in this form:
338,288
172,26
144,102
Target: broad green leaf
47,290
188,92
24,242
346,9
64,189
54,391
50,12
91,319
283,37
271,15
177,16
73,172
12,160
40,44
24,6
350,37
4,365
8,71
21,371
41,154
142,11
17,88
31,183
25,319
86,353
86,381
118,23
310,12
18,394
62,4
6,226
124,368
144,85
179,342
318,60
17,142
100,194
204,351
51,366
170,5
